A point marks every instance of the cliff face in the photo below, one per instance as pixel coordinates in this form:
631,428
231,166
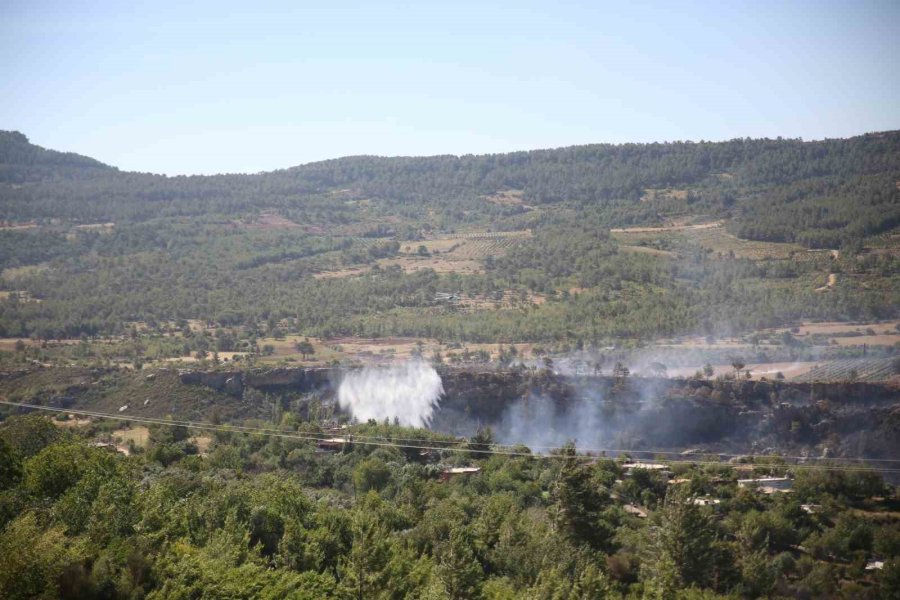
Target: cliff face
534,408
544,409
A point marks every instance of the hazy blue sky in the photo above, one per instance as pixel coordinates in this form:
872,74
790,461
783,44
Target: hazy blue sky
204,87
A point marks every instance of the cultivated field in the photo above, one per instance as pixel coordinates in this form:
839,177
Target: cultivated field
21,295
506,198
757,371
13,273
458,253
836,327
138,434
859,369
646,250
507,300
267,220
397,349
675,226
712,236
720,242
651,194
883,333
7,226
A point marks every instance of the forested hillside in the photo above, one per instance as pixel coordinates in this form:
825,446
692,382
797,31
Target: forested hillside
363,245
728,176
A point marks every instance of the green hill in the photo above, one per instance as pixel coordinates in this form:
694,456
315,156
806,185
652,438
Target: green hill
726,226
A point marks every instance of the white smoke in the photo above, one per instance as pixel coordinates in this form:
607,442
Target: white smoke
409,392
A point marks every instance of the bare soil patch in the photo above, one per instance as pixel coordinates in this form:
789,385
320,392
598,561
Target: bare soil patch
869,340
757,371
103,227
21,295
833,327
14,273
506,198
202,442
508,300
223,356
347,272
830,282
138,434
646,250
714,237
410,264
267,220
457,253
668,228
9,226
651,194
73,422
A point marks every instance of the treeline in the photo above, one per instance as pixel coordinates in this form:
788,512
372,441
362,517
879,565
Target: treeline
50,184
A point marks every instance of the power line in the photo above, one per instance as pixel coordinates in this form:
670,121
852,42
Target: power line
353,439
449,444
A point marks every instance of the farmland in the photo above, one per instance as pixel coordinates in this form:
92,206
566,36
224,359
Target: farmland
711,236
453,253
853,370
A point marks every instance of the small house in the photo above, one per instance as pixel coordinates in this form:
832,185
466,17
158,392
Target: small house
768,485
334,444
446,474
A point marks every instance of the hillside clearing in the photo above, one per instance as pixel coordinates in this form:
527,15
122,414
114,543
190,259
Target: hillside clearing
457,253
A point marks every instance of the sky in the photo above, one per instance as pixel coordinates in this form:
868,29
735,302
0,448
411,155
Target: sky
211,87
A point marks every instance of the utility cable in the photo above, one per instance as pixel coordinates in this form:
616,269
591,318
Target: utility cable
352,439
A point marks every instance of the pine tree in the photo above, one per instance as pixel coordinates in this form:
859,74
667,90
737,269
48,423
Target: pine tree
580,503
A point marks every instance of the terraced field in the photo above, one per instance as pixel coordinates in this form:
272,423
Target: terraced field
713,237
858,369
481,245
721,242
456,253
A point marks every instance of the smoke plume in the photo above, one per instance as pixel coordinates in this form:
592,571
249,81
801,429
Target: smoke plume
409,392
539,423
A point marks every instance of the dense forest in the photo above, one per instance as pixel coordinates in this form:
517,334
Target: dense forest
257,516
95,250
807,178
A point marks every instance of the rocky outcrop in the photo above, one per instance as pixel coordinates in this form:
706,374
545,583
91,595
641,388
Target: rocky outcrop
216,380
234,383
297,379
627,412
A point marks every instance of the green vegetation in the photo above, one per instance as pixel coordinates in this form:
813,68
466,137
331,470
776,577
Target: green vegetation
573,258
244,250
270,517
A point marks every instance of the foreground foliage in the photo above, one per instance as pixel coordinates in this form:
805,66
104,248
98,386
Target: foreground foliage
268,517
